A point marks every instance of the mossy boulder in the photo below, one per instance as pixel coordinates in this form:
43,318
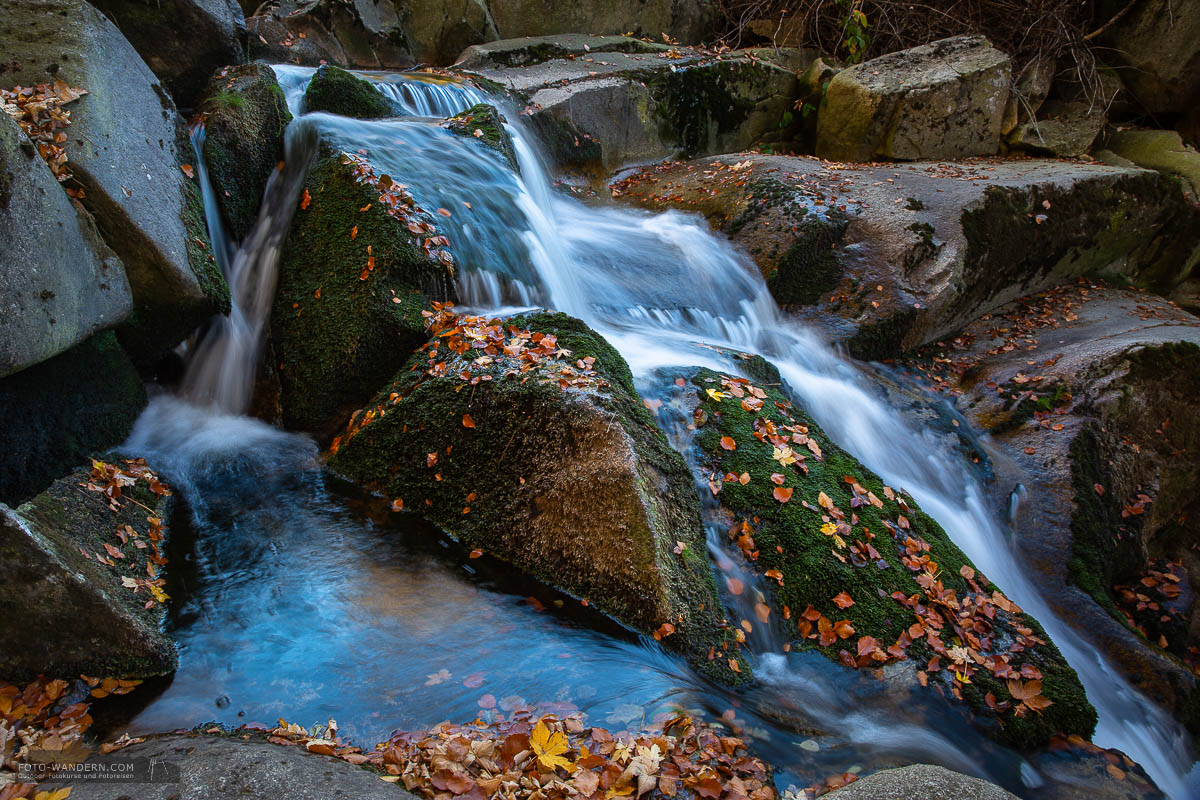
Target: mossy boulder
245,115
485,123
943,100
336,91
860,574
532,445
358,265
1086,390
77,595
57,413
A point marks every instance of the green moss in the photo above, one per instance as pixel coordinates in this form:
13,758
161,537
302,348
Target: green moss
338,337
58,413
336,91
490,124
788,537
700,101
245,117
884,338
811,267
514,471
1138,225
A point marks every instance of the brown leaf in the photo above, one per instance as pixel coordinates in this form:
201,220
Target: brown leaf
467,421
782,494
842,600
727,443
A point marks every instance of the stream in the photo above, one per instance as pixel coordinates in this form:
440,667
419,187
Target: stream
296,602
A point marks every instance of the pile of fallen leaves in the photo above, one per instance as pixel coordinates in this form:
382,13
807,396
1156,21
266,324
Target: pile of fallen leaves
110,480
401,206
477,350
40,113
551,758
47,719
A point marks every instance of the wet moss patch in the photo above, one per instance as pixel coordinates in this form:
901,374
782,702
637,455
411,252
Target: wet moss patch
485,123
336,91
352,284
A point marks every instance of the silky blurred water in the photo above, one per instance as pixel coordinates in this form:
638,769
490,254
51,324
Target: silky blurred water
301,608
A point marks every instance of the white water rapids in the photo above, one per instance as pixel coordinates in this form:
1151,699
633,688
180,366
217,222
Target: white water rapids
659,287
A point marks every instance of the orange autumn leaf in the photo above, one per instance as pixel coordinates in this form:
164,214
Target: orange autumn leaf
762,611
781,494
187,170
467,421
305,199
728,443
842,600
735,585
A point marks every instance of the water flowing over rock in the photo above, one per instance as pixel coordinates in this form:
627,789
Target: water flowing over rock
245,114
352,283
1085,391
887,258
126,148
182,41
940,100
59,282
636,102
543,455
60,412
62,611
857,572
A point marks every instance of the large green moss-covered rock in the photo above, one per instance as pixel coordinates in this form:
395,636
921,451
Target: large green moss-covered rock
861,575
940,100
338,92
245,115
57,413
526,439
77,596
1160,150
352,283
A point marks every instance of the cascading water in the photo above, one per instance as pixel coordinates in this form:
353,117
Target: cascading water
663,291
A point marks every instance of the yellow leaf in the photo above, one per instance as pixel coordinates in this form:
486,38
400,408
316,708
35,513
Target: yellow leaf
829,529
58,794
715,395
549,747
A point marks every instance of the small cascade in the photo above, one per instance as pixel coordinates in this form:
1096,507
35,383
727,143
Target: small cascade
666,293
221,371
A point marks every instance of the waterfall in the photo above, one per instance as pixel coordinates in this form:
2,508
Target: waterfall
663,290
